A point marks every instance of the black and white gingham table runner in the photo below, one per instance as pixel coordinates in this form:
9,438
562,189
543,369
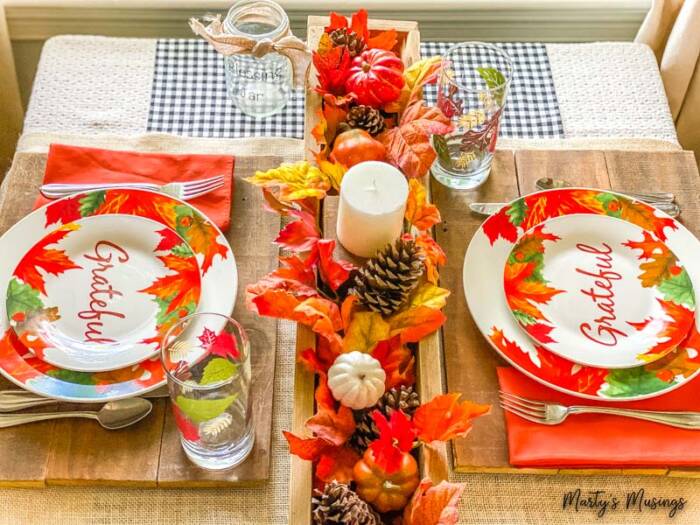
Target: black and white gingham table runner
189,95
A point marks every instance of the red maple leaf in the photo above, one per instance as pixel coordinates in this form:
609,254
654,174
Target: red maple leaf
181,286
169,239
444,418
309,449
499,226
397,360
64,210
207,337
396,437
337,464
225,345
50,260
323,396
334,273
300,235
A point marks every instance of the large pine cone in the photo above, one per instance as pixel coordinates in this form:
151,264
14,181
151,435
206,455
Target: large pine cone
343,37
366,117
386,280
338,504
403,398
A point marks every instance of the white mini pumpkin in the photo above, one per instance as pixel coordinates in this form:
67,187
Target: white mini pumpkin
356,380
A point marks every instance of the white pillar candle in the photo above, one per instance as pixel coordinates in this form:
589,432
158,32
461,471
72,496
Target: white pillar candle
372,205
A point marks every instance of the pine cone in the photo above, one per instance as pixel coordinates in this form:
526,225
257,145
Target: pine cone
403,398
386,280
338,504
343,37
367,118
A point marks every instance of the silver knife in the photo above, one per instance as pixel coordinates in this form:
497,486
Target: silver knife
13,400
486,208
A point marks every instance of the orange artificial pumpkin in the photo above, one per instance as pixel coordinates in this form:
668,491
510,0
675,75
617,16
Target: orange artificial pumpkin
386,492
355,146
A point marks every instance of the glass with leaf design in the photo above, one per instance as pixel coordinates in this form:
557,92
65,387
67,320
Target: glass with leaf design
206,357
472,89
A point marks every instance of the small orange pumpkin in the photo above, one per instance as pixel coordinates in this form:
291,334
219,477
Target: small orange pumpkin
386,492
356,145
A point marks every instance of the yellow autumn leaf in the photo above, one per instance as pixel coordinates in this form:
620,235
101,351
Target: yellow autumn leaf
366,329
334,171
294,181
414,79
427,294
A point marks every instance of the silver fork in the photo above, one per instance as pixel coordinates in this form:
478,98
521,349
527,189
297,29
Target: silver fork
489,208
180,190
547,413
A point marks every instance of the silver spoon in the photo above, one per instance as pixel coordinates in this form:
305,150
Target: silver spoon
112,416
548,183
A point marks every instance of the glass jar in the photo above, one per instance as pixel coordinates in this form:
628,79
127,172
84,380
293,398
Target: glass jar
259,87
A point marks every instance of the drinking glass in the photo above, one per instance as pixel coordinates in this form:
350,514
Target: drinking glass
472,89
207,360
260,87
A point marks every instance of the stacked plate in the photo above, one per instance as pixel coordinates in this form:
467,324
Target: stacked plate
90,283
588,292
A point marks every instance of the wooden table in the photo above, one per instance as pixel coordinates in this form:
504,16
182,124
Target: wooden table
470,363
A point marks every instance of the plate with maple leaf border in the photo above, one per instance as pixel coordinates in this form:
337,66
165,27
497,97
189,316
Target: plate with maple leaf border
598,290
483,275
219,284
99,293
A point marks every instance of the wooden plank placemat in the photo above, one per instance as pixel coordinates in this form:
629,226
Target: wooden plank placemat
470,362
148,454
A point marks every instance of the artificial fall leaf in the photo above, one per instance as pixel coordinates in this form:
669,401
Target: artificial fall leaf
309,449
322,316
366,329
397,361
413,324
660,261
434,505
419,212
294,268
433,256
310,359
330,115
334,171
415,77
444,418
337,464
49,260
333,273
523,293
275,303
334,427
293,182
300,235
333,67
408,145
396,437
384,40
347,309
323,395
427,294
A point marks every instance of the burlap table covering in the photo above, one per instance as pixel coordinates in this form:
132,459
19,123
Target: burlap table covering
488,498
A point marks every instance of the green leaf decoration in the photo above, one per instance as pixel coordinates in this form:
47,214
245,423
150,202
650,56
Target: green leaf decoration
443,152
524,318
678,289
21,298
90,203
632,382
70,376
218,370
606,199
182,250
201,410
493,79
182,212
516,212
163,317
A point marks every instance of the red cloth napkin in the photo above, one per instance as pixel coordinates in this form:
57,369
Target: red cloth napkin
597,440
74,165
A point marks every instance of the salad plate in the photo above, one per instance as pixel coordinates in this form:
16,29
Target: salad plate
219,284
486,257
94,294
598,290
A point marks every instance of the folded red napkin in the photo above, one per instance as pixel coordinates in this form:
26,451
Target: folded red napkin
597,440
75,165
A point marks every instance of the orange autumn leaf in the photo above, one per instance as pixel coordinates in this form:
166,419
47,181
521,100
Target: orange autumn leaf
181,286
434,505
419,212
346,310
334,427
413,324
202,238
337,464
645,217
49,260
444,418
321,315
323,395
522,293
365,330
384,40
273,303
408,145
660,261
397,361
673,332
433,256
305,448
